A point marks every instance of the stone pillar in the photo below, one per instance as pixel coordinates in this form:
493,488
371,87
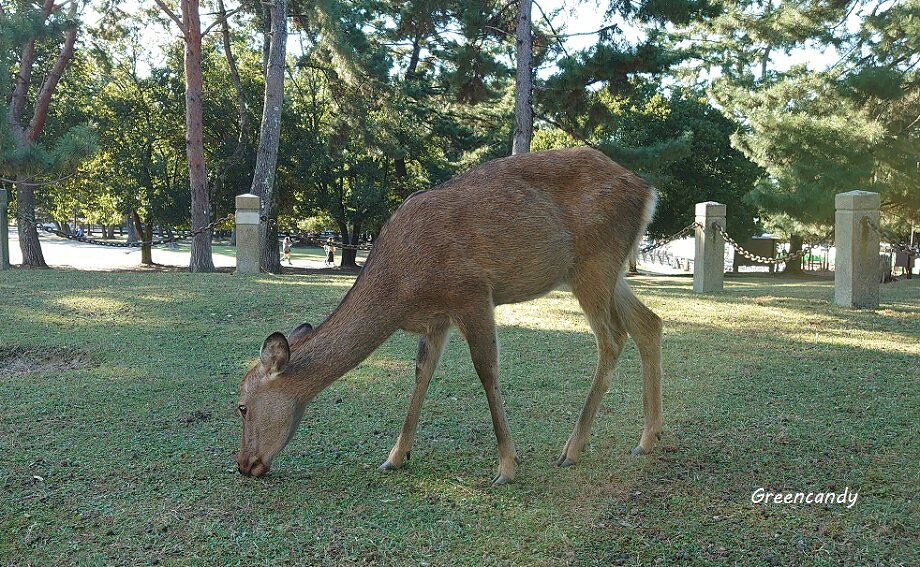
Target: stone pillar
856,276
709,258
4,230
247,234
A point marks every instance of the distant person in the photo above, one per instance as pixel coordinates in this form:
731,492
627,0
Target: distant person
79,233
329,248
287,249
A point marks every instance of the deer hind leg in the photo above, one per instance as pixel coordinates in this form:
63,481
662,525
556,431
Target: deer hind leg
596,301
430,347
645,328
479,330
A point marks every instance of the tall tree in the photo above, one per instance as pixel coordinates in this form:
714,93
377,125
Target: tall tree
27,159
190,27
523,109
267,157
821,131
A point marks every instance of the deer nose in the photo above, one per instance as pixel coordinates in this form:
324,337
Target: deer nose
258,469
243,464
254,467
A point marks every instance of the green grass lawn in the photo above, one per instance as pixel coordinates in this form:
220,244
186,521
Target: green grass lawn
120,450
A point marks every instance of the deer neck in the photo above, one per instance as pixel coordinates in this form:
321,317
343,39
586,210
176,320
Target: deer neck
365,318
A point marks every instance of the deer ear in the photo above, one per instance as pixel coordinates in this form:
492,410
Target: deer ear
275,352
303,330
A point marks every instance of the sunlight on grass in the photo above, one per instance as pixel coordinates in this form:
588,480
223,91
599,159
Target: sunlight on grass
879,341
162,298
455,490
343,281
556,312
92,305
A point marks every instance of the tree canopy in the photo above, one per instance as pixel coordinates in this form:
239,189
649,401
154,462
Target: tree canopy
383,99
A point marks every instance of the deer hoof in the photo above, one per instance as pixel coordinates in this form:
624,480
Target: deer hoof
638,452
500,480
387,467
564,462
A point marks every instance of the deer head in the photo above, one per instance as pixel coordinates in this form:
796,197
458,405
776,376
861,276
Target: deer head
267,408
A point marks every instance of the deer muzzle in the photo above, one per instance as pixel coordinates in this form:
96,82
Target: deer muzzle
251,467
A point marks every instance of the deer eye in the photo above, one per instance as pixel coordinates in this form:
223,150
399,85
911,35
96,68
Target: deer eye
242,409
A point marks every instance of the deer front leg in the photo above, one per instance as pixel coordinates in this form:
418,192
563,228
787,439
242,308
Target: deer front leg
430,347
609,346
480,335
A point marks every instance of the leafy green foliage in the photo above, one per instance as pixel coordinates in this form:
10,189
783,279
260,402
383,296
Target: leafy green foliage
59,146
818,132
682,145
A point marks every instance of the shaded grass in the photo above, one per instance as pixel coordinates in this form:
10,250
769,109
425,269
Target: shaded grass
128,460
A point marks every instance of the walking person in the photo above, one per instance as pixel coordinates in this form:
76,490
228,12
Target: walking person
329,248
287,249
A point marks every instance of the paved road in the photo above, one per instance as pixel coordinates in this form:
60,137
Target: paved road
69,253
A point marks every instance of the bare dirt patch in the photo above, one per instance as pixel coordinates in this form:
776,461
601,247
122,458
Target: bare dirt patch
195,417
17,361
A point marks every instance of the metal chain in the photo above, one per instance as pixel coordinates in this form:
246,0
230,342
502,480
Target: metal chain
892,240
161,241
679,234
338,244
764,259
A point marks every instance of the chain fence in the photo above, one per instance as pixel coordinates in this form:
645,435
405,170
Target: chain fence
892,240
136,244
273,225
645,252
786,258
679,234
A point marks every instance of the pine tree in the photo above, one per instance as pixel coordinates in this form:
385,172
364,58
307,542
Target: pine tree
30,37
190,26
818,132
269,137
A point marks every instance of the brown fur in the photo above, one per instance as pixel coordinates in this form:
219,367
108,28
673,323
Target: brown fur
508,231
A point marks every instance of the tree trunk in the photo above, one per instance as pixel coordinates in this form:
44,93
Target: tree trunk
132,229
243,138
634,261
266,37
267,156
523,111
201,260
23,137
29,245
146,235
795,245
399,163
350,255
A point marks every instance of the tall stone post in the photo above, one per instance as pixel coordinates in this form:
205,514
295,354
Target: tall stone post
856,277
4,230
709,258
247,234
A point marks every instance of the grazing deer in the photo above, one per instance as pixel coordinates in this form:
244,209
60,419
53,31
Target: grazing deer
508,231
